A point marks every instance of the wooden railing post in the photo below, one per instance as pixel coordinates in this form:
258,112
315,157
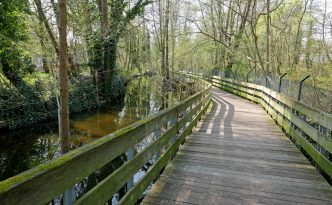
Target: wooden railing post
157,134
172,122
130,156
69,196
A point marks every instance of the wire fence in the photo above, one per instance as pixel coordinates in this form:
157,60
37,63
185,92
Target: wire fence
309,95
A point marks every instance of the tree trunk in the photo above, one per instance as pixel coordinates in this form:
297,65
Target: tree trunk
236,44
166,34
107,47
327,52
113,48
299,36
215,59
42,17
55,7
63,74
87,32
268,31
42,40
161,37
308,60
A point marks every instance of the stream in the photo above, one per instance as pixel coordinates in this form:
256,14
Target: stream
22,149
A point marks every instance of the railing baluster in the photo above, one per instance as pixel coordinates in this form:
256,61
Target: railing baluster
157,134
130,156
172,122
69,196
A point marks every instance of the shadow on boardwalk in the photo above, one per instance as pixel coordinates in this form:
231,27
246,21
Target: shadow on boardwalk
239,156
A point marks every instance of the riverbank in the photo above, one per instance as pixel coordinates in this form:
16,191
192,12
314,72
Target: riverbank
18,111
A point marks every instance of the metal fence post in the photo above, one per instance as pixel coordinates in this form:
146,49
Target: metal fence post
250,71
280,82
267,80
300,88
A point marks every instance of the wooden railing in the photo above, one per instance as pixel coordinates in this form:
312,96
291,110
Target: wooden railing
45,182
309,128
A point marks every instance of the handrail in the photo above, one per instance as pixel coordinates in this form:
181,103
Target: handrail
43,183
310,128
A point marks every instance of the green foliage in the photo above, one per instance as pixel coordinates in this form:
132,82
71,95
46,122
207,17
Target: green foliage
12,29
119,21
95,47
19,111
117,88
82,96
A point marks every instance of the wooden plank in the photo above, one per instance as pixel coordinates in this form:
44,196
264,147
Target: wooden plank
255,183
250,180
252,154
145,203
303,168
198,186
249,142
285,165
242,94
241,146
254,169
236,136
257,174
196,195
162,201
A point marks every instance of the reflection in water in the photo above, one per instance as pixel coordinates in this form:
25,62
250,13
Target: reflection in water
25,148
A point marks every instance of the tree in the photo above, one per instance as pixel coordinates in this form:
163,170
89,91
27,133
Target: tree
63,74
42,18
13,32
112,31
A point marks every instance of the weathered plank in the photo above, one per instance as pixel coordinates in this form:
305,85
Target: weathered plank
199,186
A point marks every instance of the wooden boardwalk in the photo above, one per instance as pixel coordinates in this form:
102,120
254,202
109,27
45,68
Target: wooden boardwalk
238,155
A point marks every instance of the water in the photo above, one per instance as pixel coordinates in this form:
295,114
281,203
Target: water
23,149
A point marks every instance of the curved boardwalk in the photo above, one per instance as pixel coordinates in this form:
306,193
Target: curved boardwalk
239,156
